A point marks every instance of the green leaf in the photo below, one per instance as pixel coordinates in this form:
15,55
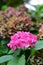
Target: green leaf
21,60
11,51
13,61
16,53
17,61
4,7
5,41
41,15
39,45
4,49
32,51
5,58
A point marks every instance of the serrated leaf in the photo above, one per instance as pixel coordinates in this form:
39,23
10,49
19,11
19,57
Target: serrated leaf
5,58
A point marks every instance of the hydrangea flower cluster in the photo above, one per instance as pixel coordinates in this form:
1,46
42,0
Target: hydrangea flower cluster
13,20
22,39
10,11
40,33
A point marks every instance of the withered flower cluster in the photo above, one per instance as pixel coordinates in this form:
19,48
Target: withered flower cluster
40,34
13,20
37,59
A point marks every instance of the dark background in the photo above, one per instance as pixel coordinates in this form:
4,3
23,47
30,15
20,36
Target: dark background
10,2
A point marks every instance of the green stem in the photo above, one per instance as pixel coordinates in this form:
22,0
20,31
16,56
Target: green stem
28,58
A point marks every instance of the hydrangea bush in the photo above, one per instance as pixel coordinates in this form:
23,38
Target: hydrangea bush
20,37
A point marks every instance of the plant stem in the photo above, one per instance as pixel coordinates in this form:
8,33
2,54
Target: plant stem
28,58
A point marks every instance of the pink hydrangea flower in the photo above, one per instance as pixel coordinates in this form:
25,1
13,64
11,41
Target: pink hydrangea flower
22,39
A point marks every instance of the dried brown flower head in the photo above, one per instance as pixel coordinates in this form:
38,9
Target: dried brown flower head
19,21
40,35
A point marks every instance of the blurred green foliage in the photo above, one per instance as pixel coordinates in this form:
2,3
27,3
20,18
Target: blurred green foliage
4,7
37,14
12,3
